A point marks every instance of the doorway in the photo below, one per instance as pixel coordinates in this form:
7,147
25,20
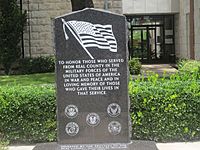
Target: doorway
147,43
151,39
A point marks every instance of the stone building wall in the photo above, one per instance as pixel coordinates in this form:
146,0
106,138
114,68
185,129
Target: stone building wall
182,29
182,25
113,5
38,35
197,28
150,6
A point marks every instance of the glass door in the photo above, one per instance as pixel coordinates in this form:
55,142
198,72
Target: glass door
155,44
147,43
139,43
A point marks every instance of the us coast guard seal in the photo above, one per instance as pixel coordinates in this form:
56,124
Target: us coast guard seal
114,110
93,119
71,111
72,128
114,128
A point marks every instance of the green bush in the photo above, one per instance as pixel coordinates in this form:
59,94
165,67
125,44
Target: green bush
37,65
166,109
162,109
180,62
3,145
27,114
134,66
189,66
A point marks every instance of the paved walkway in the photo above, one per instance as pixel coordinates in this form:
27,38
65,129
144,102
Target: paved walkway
159,69
161,146
179,146
21,147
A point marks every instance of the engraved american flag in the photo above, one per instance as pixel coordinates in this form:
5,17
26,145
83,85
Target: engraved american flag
94,35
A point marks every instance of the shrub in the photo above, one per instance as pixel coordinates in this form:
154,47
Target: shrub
189,66
166,109
161,110
27,114
180,62
3,145
37,65
134,66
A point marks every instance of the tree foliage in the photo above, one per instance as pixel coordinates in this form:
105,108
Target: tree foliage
81,4
12,22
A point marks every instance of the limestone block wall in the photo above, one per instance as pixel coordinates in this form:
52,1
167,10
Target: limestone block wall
182,27
182,30
38,35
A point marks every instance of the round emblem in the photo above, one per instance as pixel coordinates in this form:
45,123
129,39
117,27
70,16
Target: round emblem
114,110
114,127
93,119
72,128
71,111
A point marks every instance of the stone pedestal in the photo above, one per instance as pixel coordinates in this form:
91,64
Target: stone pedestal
134,145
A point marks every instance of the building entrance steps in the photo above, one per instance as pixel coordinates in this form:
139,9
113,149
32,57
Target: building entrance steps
160,69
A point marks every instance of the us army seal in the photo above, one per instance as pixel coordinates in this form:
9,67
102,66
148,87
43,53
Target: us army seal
114,127
72,128
114,110
71,111
93,119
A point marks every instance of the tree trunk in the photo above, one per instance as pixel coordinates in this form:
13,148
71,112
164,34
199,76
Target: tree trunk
81,4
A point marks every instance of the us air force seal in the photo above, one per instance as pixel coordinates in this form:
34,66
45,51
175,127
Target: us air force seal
114,128
114,110
71,111
72,128
93,119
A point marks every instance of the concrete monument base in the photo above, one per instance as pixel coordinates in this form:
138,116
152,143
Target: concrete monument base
134,145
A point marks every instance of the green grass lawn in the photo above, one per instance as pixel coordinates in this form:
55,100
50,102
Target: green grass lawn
34,79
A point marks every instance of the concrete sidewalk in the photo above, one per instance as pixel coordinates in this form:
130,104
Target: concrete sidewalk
179,146
21,147
159,69
161,146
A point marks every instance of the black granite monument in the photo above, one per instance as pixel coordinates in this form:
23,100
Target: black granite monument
92,81
92,84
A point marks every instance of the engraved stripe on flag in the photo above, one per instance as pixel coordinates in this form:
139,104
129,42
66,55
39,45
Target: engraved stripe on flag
96,35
